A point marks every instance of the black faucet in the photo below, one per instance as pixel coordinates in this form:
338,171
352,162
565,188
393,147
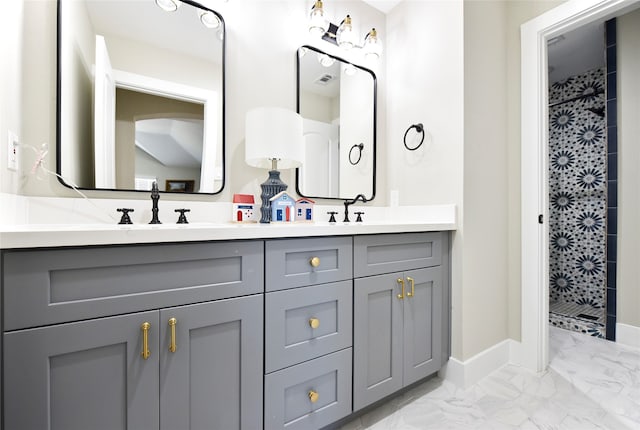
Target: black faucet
155,196
360,197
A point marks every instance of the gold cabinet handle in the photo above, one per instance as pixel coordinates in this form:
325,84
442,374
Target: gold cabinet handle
172,324
313,396
315,261
314,322
401,282
145,340
413,287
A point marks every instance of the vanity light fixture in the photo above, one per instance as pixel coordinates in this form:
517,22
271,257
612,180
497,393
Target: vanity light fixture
209,19
372,46
273,138
318,23
169,5
343,35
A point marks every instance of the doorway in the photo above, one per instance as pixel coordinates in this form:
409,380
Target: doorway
533,350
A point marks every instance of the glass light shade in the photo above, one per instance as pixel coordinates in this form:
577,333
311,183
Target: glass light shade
209,19
372,46
349,69
318,22
273,133
168,5
345,35
325,60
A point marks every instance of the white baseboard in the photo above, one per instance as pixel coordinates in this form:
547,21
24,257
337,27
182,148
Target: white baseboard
628,335
468,372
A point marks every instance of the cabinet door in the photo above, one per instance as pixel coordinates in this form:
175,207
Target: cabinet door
422,324
377,339
213,380
83,375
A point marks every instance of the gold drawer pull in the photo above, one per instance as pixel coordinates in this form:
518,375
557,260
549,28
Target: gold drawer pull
314,322
313,396
315,261
145,340
172,324
401,282
413,287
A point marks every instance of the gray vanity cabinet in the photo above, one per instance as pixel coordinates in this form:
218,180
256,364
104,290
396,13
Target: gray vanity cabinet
90,373
213,378
308,332
398,316
82,375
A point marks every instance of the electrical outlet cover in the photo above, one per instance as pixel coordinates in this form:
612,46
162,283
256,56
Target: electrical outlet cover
12,151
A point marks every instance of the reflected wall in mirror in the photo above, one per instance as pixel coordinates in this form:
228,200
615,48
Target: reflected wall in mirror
337,101
140,95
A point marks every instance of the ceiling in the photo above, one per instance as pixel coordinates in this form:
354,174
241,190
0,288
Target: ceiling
172,142
576,52
383,5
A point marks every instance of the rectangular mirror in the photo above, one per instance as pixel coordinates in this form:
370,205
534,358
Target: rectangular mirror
337,101
140,95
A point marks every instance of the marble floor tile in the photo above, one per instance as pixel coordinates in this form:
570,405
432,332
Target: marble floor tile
591,383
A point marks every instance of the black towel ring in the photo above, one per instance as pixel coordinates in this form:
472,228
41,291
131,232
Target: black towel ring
420,129
360,147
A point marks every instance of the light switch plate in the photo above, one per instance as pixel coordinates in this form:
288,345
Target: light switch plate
13,153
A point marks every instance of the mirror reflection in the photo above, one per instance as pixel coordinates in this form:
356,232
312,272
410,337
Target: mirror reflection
337,101
141,96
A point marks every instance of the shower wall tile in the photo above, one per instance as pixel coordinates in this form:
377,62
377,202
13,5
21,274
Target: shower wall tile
612,173
578,191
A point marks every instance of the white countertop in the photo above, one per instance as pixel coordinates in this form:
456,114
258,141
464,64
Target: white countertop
37,236
77,225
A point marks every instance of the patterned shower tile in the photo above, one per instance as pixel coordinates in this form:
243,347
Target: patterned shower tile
577,192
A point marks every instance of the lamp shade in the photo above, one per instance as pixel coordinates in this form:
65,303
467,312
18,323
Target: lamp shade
273,133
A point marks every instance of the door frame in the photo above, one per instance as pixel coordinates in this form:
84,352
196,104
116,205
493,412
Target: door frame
533,351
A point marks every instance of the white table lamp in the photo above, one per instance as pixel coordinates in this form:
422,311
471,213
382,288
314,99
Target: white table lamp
273,139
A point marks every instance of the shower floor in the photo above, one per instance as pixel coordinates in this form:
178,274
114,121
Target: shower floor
579,318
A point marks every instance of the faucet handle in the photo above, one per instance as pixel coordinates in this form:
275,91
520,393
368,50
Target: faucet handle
182,219
359,218
332,218
125,219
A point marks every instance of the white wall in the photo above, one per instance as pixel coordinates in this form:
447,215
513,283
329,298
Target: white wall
11,29
484,217
628,68
424,51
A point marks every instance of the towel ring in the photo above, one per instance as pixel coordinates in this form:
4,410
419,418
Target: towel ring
360,147
420,129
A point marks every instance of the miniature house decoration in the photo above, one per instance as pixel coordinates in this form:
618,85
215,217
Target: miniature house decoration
282,207
304,209
244,209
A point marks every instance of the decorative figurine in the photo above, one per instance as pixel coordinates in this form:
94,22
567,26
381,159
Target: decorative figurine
282,207
244,208
304,209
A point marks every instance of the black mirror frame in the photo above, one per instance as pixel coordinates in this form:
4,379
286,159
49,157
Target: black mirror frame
59,104
375,119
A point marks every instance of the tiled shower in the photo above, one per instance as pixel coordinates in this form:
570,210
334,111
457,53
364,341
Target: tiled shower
578,203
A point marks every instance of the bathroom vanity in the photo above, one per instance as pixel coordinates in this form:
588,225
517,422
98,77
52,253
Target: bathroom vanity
297,331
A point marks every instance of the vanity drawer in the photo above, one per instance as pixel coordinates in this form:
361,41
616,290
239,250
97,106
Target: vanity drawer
378,254
290,262
289,403
291,315
59,285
